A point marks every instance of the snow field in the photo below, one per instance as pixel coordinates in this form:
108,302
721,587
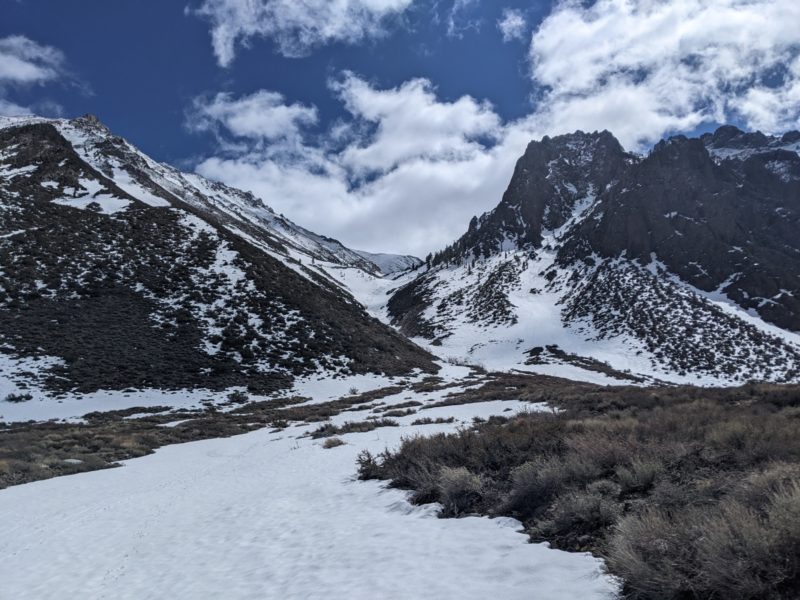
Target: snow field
272,515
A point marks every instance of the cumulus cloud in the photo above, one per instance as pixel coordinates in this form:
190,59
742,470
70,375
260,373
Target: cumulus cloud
407,170
512,25
263,115
773,108
411,124
24,63
642,68
410,165
296,26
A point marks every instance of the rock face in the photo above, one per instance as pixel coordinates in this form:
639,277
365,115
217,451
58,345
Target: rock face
117,271
684,263
718,219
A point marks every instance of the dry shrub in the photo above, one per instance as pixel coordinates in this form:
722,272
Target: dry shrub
604,448
333,442
533,485
639,476
650,553
759,487
728,550
576,517
330,429
459,490
430,421
368,466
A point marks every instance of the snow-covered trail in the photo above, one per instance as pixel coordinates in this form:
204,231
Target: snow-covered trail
267,515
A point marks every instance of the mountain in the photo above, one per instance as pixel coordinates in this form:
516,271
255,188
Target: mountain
389,264
682,265
118,272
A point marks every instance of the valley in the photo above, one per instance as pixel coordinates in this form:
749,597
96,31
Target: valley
201,397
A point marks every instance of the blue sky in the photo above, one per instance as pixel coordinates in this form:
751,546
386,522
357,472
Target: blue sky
389,123
138,70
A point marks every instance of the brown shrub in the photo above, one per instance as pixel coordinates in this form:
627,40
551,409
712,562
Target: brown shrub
333,442
577,517
459,490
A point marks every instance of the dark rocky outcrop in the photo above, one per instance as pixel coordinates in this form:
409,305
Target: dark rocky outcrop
634,249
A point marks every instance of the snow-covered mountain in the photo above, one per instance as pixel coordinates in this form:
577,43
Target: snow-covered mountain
682,265
390,264
117,271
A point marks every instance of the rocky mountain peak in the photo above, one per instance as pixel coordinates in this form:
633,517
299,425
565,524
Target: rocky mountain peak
791,137
729,136
91,122
552,177
686,154
696,241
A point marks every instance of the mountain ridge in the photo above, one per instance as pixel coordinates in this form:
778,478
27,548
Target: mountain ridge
632,256
121,272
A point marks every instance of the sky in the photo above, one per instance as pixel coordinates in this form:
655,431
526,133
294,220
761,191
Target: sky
387,124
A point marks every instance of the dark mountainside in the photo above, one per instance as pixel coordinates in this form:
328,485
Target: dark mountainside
165,286
637,240
731,221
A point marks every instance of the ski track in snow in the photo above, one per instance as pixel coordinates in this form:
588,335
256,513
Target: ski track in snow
268,515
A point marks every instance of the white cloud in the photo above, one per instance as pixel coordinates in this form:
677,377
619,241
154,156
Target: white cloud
458,20
773,108
407,170
642,68
12,109
296,26
263,115
512,25
408,176
412,124
24,63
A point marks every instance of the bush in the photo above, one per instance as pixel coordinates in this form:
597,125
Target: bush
333,442
651,553
17,398
399,413
429,421
577,517
459,490
729,551
368,466
735,554
330,429
238,397
533,485
640,476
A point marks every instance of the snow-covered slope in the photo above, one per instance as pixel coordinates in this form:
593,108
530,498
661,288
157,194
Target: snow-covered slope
161,184
117,271
677,266
274,515
391,263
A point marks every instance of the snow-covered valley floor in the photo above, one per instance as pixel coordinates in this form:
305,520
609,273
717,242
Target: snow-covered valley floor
272,515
